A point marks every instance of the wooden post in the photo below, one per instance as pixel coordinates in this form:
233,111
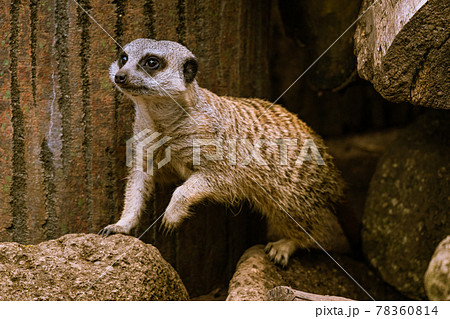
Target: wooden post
63,126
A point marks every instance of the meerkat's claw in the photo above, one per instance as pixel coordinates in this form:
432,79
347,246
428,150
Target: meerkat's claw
112,229
280,251
166,227
104,232
170,221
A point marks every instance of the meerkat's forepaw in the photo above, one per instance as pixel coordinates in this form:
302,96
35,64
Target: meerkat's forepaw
113,229
280,251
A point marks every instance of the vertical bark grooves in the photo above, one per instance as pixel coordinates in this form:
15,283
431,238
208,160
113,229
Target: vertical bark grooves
113,157
118,36
84,23
149,12
19,178
120,13
181,27
239,34
51,226
62,60
33,42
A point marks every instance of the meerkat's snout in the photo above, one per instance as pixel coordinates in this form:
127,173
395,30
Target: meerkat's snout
120,78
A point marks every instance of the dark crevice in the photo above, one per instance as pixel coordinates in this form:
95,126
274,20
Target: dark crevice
33,42
149,12
120,13
417,72
51,226
62,60
181,27
19,178
84,22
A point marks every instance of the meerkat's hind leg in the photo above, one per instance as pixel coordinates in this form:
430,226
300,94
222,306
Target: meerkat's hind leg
280,251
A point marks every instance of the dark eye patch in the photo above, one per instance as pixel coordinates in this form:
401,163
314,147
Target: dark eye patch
151,63
123,59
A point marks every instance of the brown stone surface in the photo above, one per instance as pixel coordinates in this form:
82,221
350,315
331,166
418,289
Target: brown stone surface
437,277
403,48
406,213
87,267
312,272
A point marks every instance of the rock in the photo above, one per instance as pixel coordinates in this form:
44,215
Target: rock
406,213
437,277
312,272
403,47
87,267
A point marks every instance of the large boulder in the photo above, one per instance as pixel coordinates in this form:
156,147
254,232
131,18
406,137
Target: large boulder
406,213
403,47
87,267
437,277
312,272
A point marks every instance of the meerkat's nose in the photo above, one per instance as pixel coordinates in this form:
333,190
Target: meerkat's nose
120,78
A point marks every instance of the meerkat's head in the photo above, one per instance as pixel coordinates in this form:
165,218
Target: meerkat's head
148,67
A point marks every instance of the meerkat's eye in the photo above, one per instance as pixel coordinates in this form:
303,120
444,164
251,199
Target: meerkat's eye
123,59
152,63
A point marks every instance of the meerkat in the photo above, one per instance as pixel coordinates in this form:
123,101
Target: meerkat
296,196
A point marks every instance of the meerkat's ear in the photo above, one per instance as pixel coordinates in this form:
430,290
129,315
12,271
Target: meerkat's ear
190,70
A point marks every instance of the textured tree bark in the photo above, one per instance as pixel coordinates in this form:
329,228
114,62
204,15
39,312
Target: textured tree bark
283,293
63,126
403,48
